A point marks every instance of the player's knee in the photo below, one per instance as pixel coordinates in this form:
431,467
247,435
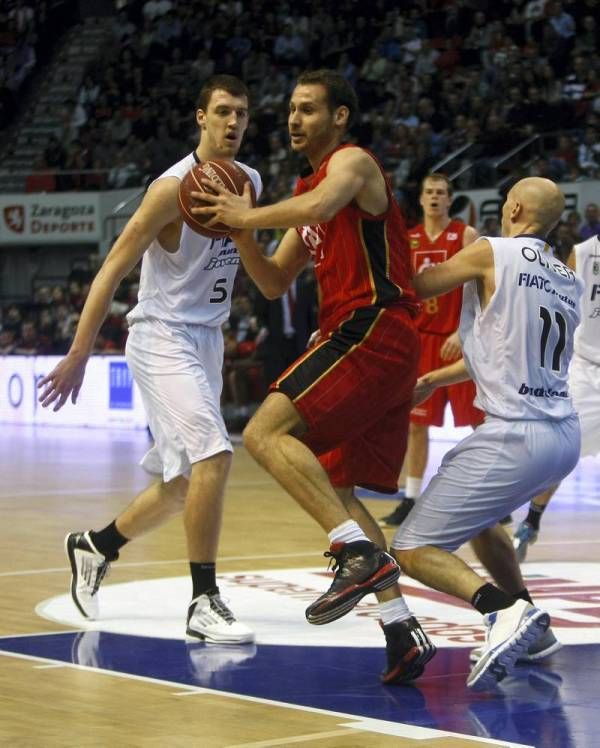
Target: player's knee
254,439
174,493
405,559
213,469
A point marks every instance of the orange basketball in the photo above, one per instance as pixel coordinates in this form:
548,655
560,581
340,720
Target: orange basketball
226,173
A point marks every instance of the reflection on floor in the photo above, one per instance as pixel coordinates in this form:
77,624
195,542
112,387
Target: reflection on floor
537,707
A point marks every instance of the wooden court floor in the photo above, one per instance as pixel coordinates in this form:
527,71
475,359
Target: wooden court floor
57,480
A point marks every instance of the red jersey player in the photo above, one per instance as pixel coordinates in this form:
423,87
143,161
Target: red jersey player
338,416
436,240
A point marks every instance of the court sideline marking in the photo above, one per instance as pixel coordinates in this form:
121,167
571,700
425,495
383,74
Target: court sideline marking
220,559
106,490
133,564
367,724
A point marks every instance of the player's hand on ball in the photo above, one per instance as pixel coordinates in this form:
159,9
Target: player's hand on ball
223,206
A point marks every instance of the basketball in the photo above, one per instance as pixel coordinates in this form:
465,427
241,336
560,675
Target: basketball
226,173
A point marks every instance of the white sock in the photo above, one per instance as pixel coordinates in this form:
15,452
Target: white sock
412,489
347,532
394,611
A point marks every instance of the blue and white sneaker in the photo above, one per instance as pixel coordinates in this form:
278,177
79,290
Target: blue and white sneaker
525,535
545,646
510,633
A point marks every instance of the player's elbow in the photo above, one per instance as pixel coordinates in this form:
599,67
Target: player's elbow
274,287
421,289
272,292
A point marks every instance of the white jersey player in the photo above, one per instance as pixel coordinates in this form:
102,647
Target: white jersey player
584,381
175,351
519,314
518,347
184,298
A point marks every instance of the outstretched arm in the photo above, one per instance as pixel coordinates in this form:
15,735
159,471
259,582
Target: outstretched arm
158,208
428,383
273,275
474,262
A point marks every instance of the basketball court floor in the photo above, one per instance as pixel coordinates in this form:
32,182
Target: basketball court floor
130,679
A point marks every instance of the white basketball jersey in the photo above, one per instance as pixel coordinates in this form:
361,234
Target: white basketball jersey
587,263
519,347
194,284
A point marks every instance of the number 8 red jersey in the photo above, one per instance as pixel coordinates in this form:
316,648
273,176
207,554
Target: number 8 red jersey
439,315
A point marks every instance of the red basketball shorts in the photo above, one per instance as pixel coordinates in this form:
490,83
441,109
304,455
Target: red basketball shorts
460,396
354,392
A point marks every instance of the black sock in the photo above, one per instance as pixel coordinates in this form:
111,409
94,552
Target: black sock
534,515
108,541
524,595
204,578
489,598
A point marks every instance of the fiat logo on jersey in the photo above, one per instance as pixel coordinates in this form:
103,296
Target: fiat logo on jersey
14,218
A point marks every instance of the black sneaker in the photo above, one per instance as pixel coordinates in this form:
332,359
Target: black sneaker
360,567
88,569
408,650
397,517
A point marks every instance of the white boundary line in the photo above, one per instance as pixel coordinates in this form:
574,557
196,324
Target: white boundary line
221,559
134,487
134,564
358,723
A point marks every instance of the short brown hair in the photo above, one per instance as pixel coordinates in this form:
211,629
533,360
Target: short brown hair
339,91
438,176
223,82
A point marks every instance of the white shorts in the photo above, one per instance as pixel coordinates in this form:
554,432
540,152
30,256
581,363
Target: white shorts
584,381
178,369
497,468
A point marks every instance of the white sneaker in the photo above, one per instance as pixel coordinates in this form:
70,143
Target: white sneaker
211,620
510,632
546,645
88,569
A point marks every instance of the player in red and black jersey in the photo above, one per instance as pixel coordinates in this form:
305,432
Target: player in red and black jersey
436,240
338,417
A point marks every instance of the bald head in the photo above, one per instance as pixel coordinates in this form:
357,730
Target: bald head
533,206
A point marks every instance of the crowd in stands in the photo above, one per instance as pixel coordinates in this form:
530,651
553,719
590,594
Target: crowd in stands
28,31
433,76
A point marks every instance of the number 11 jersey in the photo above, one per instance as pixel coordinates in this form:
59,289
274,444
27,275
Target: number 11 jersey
519,347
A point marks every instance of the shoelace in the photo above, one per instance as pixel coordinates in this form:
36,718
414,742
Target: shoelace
334,561
219,607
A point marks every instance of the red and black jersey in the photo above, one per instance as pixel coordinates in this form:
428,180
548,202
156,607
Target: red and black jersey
439,315
360,260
